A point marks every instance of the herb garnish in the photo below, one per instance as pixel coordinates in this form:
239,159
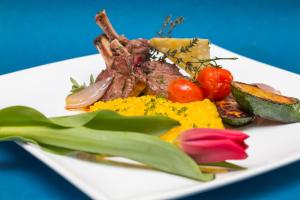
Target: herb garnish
184,49
182,110
188,66
201,63
157,55
192,66
171,24
76,87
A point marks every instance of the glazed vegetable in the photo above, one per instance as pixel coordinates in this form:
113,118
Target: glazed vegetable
81,133
215,82
88,95
184,91
266,87
266,104
231,113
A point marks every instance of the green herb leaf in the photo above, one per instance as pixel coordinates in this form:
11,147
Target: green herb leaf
92,79
170,24
74,82
76,87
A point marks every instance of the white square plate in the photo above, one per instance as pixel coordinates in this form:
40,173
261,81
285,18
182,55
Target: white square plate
45,88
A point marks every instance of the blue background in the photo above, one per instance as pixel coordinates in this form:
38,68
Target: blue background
39,32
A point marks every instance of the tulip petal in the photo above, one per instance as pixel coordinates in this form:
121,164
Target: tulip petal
207,151
213,134
209,133
214,145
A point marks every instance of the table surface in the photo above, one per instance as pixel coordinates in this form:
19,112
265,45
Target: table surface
39,32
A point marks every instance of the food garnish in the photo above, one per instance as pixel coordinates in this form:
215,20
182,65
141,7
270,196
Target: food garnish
183,52
76,87
266,104
192,55
182,90
168,26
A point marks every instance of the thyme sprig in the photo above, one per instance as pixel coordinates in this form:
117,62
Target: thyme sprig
201,63
164,26
76,87
156,55
170,25
213,60
194,66
187,48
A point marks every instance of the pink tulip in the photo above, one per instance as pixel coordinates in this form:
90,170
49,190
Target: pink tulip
207,145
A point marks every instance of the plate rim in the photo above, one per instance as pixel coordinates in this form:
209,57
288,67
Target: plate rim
196,189
192,190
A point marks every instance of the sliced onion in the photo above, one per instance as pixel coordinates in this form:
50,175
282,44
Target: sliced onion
267,88
88,95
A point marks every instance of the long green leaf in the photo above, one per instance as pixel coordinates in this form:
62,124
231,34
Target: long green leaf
109,120
147,149
57,150
22,116
101,120
227,165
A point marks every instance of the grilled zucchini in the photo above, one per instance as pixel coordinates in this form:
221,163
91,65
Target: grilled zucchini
266,104
231,113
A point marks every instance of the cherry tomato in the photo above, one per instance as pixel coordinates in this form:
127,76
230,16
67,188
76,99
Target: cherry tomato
184,91
215,82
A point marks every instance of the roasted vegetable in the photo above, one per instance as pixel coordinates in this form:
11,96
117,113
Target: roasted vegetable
215,82
266,104
184,91
231,113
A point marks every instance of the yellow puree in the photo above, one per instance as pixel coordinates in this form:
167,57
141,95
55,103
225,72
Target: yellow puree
202,114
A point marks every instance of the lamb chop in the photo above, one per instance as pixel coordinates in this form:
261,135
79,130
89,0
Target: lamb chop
129,71
123,58
159,76
131,58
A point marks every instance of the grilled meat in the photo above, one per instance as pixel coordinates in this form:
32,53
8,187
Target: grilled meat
104,23
159,75
128,63
129,71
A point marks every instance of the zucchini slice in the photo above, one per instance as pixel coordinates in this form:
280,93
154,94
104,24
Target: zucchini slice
266,104
231,113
